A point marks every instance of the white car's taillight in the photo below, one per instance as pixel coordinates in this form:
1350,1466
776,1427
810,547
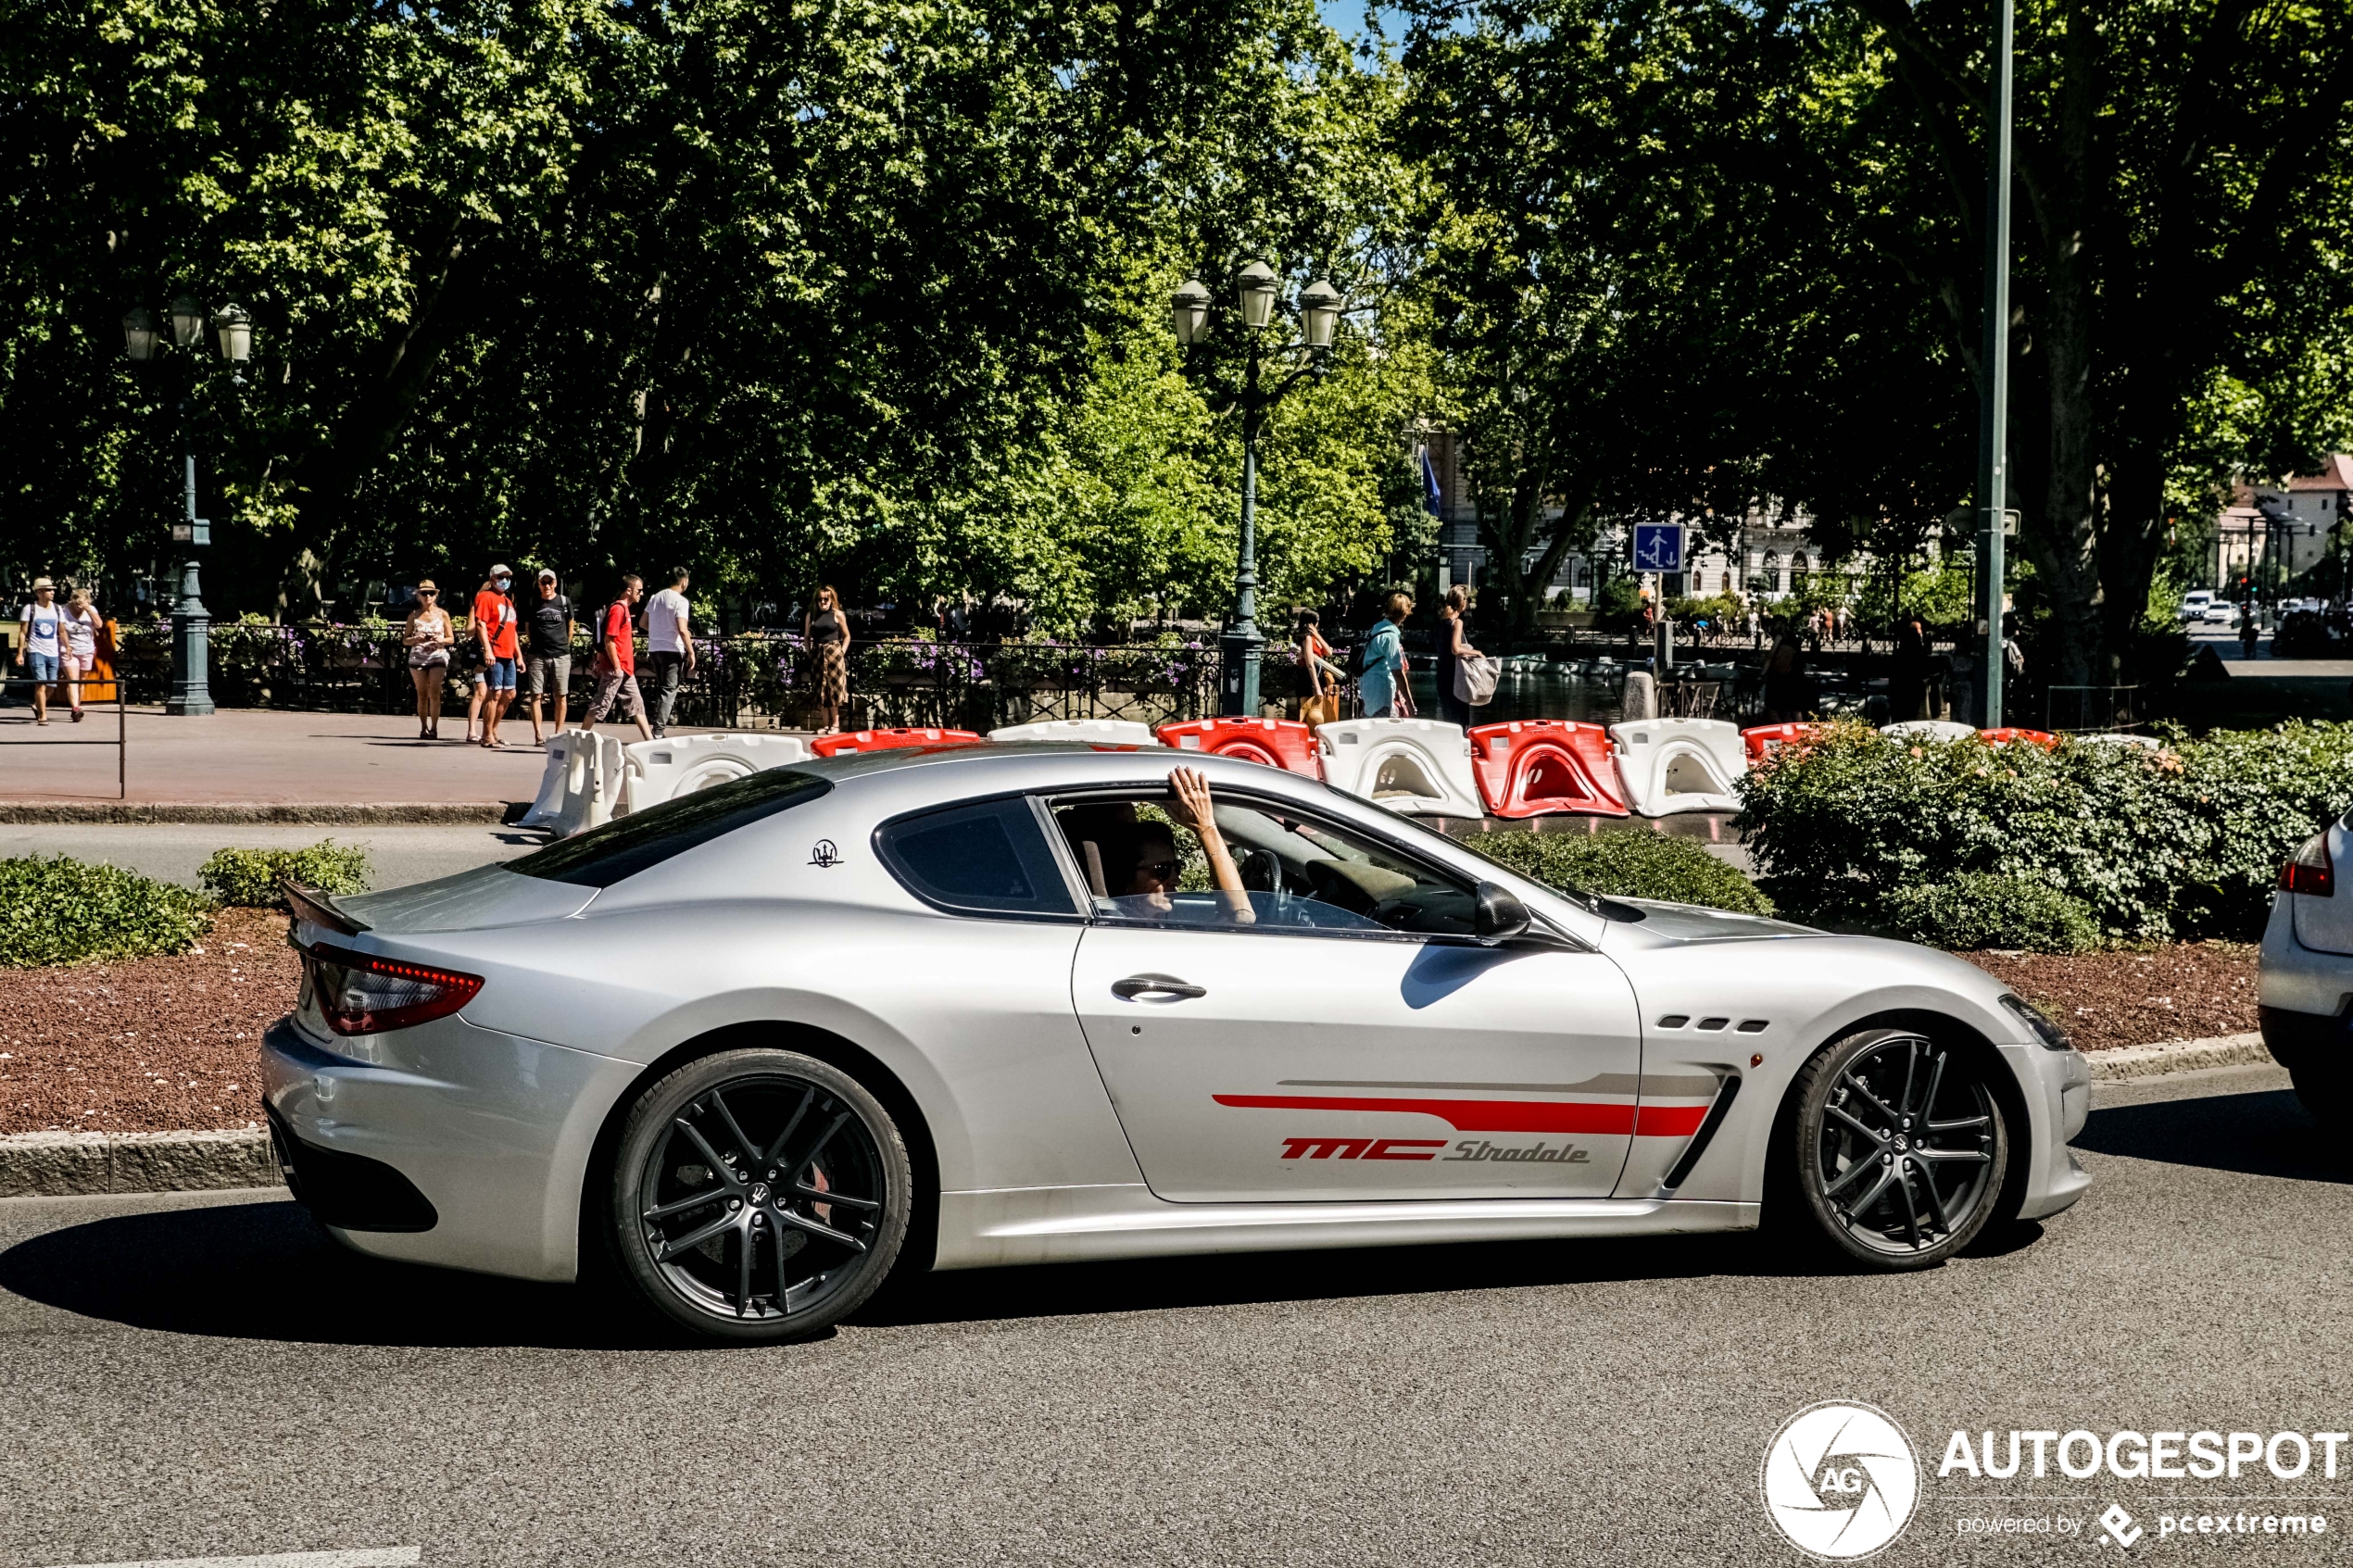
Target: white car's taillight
2311,872
361,994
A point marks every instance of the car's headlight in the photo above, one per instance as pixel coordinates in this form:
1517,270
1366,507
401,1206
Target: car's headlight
2050,1033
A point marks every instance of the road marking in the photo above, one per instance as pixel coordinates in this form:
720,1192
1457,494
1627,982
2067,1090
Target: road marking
363,1557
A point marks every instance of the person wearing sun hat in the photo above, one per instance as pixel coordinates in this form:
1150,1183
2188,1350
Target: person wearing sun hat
38,627
428,636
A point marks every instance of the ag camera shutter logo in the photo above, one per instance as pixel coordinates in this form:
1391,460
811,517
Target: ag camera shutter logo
1840,1480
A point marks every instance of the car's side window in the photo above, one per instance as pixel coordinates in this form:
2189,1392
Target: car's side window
1143,864
989,858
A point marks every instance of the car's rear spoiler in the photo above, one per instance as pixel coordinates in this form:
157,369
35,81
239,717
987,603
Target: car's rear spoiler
319,908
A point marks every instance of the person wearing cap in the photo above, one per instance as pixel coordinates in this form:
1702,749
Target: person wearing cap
550,661
428,636
39,628
493,629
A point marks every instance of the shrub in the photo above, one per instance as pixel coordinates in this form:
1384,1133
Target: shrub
55,910
1626,865
1976,910
2158,844
250,877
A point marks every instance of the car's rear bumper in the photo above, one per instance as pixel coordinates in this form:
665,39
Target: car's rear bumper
490,1131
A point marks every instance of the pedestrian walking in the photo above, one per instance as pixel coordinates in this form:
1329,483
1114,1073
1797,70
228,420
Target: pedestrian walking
428,636
1451,648
81,629
670,648
493,629
550,659
828,630
617,659
1315,678
40,628
1381,669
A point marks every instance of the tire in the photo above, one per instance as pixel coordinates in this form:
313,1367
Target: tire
1939,1166
2327,1093
759,1195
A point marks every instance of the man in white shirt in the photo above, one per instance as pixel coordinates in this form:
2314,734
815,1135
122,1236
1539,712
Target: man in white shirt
38,631
670,647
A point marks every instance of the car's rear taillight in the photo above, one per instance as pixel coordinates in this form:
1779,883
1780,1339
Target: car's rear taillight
361,994
2311,872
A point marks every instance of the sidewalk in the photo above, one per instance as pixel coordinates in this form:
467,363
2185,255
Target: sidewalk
249,764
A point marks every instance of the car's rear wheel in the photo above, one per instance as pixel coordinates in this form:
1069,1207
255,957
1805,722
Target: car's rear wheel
759,1195
1900,1148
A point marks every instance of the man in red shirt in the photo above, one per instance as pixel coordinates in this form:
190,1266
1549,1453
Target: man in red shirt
617,659
493,631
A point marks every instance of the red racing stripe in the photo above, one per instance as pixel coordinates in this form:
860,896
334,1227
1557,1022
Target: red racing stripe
1503,1115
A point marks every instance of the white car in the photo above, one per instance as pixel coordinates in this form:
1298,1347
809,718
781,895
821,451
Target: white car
2305,974
2220,611
2194,603
950,1008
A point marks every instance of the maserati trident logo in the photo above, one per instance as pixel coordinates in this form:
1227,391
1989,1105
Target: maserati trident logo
1840,1480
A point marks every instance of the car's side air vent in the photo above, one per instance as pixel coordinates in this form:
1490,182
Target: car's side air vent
1674,1020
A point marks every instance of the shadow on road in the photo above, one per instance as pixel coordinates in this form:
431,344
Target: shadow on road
264,1271
2258,1135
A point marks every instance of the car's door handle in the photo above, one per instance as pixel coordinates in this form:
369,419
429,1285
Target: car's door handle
1154,988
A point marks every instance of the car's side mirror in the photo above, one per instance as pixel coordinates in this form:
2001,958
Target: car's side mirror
1500,916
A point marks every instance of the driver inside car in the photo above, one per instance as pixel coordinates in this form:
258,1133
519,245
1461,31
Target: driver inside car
1155,865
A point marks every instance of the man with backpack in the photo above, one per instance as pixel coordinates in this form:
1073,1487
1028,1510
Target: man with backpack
617,659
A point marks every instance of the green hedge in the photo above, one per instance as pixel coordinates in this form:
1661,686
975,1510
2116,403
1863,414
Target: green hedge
1974,911
250,877
1625,865
2157,845
55,910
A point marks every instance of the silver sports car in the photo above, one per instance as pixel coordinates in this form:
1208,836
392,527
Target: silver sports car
961,1007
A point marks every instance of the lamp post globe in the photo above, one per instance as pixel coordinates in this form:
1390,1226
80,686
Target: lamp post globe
1255,286
235,330
187,319
1188,312
140,334
1319,307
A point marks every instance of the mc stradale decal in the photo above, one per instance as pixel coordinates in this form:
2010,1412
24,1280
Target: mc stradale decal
1559,1118
1326,1147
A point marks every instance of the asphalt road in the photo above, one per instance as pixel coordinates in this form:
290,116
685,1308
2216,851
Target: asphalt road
205,1376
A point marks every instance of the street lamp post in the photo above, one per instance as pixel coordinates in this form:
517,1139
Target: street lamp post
1320,311
1993,429
190,622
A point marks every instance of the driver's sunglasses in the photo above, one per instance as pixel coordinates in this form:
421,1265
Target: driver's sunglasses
428,593
1159,870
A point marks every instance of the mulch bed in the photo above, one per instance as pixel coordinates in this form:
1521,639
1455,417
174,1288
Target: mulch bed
2189,991
160,1044
152,1046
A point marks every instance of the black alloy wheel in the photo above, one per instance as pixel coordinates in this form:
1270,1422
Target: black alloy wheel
759,1195
1901,1147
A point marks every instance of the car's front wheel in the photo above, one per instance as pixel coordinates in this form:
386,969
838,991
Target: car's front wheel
759,1195
1900,1146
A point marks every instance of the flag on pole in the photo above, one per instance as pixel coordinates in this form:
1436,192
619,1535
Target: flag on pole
1430,496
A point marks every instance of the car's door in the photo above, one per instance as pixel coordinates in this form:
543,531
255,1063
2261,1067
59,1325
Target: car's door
1321,1054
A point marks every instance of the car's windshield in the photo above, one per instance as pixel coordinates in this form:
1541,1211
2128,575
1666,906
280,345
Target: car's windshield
628,844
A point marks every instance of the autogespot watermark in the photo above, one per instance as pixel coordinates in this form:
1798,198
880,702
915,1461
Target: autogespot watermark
1842,1481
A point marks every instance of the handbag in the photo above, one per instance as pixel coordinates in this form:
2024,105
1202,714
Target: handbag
1474,680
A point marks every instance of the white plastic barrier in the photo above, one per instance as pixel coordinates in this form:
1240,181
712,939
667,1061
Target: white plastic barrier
2148,742
665,770
1928,729
1672,765
593,778
1088,732
549,802
1415,767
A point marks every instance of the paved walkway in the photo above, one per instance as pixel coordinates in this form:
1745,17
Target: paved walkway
263,758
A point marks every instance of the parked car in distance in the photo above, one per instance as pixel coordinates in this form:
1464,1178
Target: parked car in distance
2194,603
2218,610
2304,970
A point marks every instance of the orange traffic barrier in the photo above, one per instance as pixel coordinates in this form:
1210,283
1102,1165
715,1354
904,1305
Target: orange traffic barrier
1765,739
888,740
1530,767
2043,739
1277,743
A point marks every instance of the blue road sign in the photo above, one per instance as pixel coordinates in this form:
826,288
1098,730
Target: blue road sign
1658,547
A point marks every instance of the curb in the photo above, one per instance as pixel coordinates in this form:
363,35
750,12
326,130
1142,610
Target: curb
329,813
2177,1056
79,1164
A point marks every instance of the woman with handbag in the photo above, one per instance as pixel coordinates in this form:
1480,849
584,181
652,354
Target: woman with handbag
1318,698
828,630
1451,648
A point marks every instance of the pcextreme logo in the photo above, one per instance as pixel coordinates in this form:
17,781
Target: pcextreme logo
1840,1480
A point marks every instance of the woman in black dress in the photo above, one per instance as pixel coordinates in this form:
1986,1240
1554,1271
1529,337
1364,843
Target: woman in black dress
828,633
